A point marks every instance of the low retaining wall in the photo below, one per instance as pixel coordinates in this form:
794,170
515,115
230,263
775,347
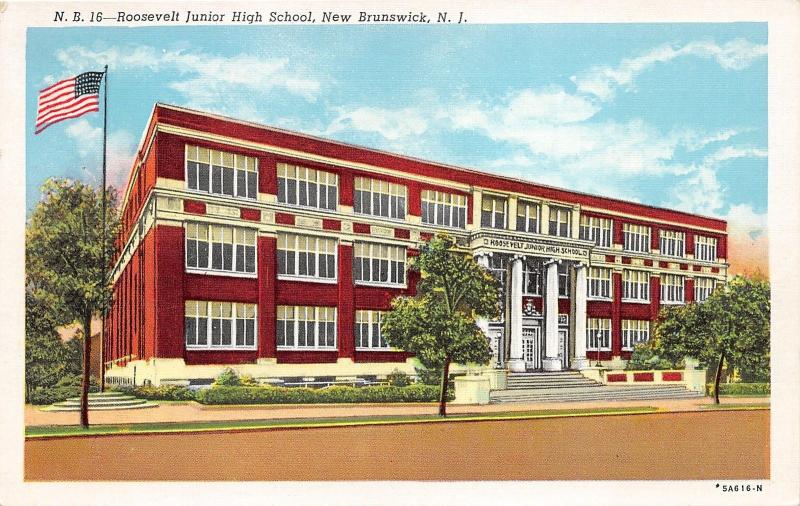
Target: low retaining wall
693,379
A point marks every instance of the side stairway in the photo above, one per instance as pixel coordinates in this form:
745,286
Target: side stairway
572,386
101,402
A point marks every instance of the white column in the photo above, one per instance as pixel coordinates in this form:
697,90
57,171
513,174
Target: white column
551,361
579,361
516,362
483,323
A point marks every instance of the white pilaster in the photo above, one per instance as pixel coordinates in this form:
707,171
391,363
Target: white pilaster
516,362
477,204
575,225
511,221
580,361
551,361
544,225
483,323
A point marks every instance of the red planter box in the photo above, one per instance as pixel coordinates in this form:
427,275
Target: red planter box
642,376
617,378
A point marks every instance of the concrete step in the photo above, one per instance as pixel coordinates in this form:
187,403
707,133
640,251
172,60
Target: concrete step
119,402
604,392
102,401
146,404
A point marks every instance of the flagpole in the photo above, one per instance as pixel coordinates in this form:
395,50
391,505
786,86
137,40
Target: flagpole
103,266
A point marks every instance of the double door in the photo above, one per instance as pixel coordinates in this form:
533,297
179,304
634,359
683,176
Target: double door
533,347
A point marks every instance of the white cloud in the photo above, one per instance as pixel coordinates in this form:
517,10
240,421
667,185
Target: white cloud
392,124
732,152
602,81
121,147
748,241
202,78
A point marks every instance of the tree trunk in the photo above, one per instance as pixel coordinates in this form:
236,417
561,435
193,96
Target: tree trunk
717,377
443,389
87,339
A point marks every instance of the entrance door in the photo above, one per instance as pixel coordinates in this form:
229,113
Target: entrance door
532,347
563,354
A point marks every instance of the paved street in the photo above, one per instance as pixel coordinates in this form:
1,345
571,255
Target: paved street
684,445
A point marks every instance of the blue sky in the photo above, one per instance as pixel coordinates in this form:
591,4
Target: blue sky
672,115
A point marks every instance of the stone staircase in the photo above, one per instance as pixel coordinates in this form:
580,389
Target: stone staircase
572,386
102,402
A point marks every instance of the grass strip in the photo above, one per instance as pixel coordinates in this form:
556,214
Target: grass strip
735,407
296,423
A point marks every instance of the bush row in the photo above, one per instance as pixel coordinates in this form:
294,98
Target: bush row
67,387
333,394
162,393
740,389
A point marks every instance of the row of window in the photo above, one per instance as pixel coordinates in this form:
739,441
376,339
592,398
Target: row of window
598,334
636,286
223,173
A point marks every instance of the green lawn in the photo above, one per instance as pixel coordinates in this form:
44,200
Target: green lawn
143,428
739,406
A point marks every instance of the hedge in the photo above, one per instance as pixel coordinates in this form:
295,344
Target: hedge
67,387
328,395
162,393
740,389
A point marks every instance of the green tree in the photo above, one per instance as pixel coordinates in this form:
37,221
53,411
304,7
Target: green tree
45,362
63,250
731,326
439,325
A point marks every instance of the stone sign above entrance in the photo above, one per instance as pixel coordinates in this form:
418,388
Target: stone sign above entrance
494,241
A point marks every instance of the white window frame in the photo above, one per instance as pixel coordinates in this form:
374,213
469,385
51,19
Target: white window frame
496,213
305,177
563,217
636,238
593,326
248,165
672,289
202,309
635,286
672,243
448,208
331,249
633,332
598,230
598,280
530,268
239,239
366,320
705,248
372,253
317,312
524,208
392,196
703,288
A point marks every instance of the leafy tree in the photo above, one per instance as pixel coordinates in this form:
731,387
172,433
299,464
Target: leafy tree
64,249
438,325
731,326
645,358
44,351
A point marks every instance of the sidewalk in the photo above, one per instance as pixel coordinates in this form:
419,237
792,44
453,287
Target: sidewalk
194,412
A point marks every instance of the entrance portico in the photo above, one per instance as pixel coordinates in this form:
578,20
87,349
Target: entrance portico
534,274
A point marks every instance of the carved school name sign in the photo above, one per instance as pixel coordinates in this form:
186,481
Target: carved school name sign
528,246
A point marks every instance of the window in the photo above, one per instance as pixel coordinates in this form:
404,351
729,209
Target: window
598,334
597,230
703,288
636,238
368,331
672,243
634,332
528,214
219,325
379,198
493,212
445,209
705,248
635,285
306,256
599,281
563,280
221,173
379,264
300,186
532,276
671,288
560,218
306,327
220,248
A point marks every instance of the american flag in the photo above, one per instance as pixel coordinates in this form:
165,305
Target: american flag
69,98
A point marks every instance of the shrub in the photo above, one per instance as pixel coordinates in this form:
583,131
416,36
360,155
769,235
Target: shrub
228,378
66,387
332,394
247,381
398,378
645,358
743,389
162,393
